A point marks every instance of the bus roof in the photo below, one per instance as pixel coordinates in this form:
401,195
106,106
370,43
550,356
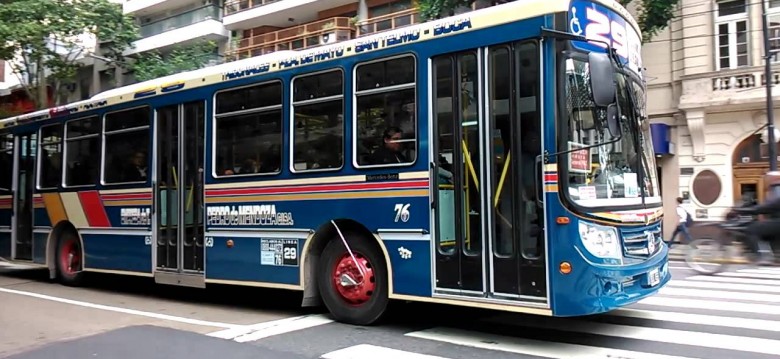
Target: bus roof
263,64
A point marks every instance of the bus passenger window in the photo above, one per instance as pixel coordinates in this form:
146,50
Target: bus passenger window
50,160
249,130
386,112
82,151
318,125
127,144
6,161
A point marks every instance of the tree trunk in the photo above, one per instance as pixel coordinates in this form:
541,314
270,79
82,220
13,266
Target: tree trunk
42,100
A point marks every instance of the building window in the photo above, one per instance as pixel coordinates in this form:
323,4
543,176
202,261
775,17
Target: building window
773,18
385,103
50,175
318,121
249,130
731,26
82,152
126,146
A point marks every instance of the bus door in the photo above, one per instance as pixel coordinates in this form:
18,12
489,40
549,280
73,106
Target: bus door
489,217
179,176
25,152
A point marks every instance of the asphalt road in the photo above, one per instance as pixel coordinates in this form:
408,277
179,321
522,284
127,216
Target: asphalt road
732,315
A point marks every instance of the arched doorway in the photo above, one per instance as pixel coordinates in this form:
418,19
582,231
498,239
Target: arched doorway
750,161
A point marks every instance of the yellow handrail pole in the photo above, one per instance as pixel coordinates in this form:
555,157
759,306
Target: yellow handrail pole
503,177
467,156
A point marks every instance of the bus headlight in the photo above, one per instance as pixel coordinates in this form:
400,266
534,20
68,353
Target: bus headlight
600,241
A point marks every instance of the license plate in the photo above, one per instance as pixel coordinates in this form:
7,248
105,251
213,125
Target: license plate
653,277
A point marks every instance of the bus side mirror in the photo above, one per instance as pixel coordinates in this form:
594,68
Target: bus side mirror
602,78
613,121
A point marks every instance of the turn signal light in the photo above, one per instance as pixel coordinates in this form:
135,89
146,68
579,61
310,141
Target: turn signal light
565,267
562,220
229,243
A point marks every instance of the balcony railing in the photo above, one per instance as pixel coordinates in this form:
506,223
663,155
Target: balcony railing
742,79
181,20
234,6
388,22
300,37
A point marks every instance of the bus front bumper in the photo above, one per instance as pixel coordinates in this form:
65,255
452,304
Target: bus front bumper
595,289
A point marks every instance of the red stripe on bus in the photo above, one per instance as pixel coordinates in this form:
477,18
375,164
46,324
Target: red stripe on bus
126,196
93,209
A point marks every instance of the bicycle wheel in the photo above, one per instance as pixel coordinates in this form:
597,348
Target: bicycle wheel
706,256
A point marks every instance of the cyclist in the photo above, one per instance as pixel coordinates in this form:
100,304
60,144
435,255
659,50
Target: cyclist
764,230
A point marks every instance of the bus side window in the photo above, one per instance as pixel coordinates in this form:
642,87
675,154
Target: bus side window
127,143
249,130
386,112
82,151
318,123
50,160
6,161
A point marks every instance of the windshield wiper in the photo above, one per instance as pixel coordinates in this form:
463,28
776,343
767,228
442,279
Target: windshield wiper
636,129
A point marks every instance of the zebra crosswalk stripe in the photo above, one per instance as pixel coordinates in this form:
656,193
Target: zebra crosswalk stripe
529,346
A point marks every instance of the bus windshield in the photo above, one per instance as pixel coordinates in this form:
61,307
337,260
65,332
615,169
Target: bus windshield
621,173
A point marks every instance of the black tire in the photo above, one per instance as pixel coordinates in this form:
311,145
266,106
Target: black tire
70,276
365,313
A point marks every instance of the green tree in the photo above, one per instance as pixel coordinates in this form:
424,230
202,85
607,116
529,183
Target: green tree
44,39
152,64
652,15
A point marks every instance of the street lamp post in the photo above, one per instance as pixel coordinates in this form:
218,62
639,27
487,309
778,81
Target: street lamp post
770,117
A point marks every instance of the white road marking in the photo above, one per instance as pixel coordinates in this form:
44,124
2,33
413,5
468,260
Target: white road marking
266,329
661,335
122,310
712,305
528,346
750,275
761,270
719,294
727,286
705,278
678,317
299,323
375,352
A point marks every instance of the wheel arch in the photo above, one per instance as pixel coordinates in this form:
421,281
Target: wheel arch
312,250
60,228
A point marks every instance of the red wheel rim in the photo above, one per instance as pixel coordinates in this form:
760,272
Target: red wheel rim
355,288
70,256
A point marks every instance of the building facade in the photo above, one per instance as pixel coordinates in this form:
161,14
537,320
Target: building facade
707,104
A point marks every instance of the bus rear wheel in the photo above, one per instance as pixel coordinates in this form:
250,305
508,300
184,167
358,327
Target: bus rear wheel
69,259
355,290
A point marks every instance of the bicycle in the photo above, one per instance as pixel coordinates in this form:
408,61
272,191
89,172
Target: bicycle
727,249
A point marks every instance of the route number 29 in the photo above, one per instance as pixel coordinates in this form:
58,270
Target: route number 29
402,212
290,253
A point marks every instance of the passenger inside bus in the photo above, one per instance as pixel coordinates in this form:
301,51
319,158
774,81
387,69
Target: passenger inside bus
136,168
391,149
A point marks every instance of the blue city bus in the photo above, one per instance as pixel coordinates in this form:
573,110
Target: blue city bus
332,171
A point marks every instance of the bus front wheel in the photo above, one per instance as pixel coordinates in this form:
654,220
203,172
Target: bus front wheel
353,286
69,259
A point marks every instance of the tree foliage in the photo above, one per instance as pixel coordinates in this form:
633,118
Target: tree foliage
153,64
45,39
652,15
434,9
